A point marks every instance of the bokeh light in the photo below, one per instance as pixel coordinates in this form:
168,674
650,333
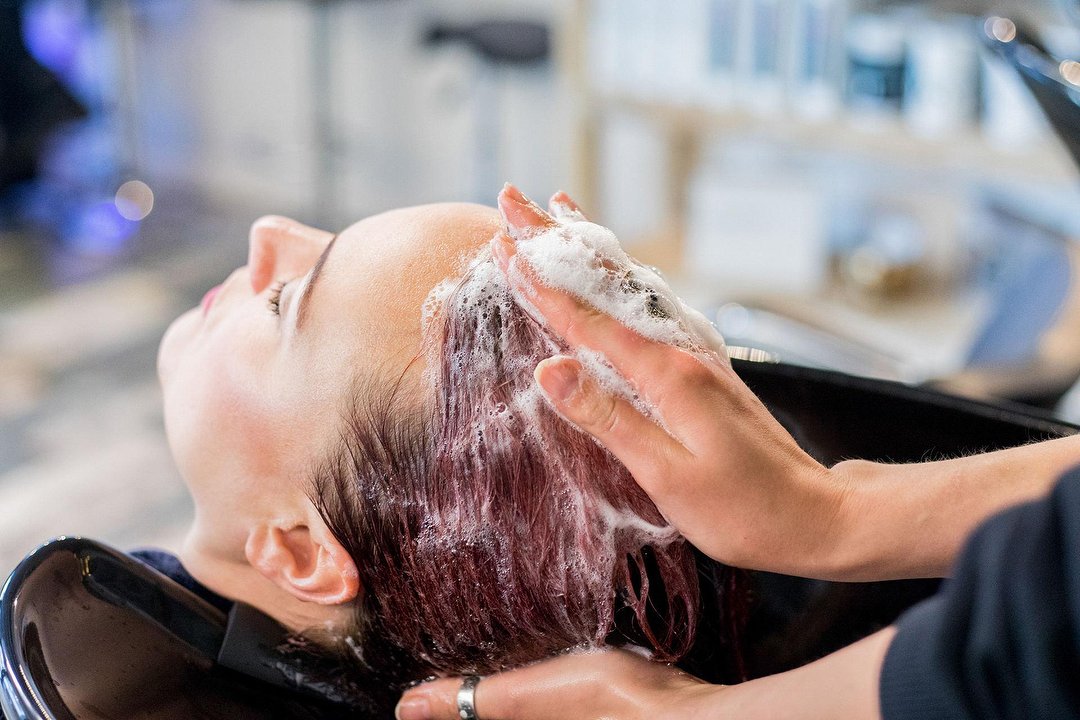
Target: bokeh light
134,200
1001,28
1070,70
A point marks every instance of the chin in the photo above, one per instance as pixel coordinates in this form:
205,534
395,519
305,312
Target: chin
173,343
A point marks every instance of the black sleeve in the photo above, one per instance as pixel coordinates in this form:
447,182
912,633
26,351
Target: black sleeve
1002,639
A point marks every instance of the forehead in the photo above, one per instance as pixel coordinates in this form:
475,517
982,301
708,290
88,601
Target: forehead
429,239
382,268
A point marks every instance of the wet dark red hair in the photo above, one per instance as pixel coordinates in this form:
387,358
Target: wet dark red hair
488,532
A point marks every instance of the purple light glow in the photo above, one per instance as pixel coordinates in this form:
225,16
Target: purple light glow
100,229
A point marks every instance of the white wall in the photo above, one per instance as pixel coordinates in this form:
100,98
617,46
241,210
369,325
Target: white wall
406,121
254,102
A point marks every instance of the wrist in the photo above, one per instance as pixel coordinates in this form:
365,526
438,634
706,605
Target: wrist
844,684
895,521
845,555
808,533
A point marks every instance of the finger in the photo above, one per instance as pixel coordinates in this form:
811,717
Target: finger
666,377
576,322
632,436
521,214
494,698
659,372
502,249
563,207
431,701
524,693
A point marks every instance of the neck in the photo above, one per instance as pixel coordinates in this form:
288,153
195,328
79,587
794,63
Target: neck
237,580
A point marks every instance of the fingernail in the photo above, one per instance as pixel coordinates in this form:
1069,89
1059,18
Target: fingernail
416,708
559,380
516,195
520,198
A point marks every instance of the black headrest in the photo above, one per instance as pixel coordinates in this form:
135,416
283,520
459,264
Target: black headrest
89,632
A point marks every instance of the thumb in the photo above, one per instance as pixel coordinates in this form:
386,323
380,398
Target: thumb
630,435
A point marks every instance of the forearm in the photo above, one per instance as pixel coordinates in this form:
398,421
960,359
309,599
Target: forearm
903,521
842,685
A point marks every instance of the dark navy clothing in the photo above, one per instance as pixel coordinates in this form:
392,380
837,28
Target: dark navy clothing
169,565
1002,639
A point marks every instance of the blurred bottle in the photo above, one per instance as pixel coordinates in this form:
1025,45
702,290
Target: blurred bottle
638,23
682,51
817,57
634,173
604,47
877,62
512,77
621,46
941,83
1011,118
722,22
762,55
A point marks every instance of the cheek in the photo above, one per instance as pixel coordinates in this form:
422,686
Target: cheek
220,412
177,337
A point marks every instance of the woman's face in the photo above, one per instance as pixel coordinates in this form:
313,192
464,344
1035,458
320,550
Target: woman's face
254,380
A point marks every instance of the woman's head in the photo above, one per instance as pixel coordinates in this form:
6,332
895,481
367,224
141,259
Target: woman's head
408,480
253,398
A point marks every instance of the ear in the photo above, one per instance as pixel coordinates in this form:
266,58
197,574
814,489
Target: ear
304,560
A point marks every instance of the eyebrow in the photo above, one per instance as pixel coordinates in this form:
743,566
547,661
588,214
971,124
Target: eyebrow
305,296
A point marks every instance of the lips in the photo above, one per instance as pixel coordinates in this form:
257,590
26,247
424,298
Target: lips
208,299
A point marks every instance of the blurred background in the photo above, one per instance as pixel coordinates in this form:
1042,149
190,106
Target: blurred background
884,188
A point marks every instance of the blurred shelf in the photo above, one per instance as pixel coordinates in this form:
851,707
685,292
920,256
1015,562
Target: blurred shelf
966,153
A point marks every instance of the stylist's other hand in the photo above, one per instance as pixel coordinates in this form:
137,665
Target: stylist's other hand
602,684
726,474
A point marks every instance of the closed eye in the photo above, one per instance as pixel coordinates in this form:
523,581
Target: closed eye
274,301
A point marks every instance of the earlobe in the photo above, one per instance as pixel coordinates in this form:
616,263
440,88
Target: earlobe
310,565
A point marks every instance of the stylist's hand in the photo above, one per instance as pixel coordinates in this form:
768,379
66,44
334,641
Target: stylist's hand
727,474
608,684
617,685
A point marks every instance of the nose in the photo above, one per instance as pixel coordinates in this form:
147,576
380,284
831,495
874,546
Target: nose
281,248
